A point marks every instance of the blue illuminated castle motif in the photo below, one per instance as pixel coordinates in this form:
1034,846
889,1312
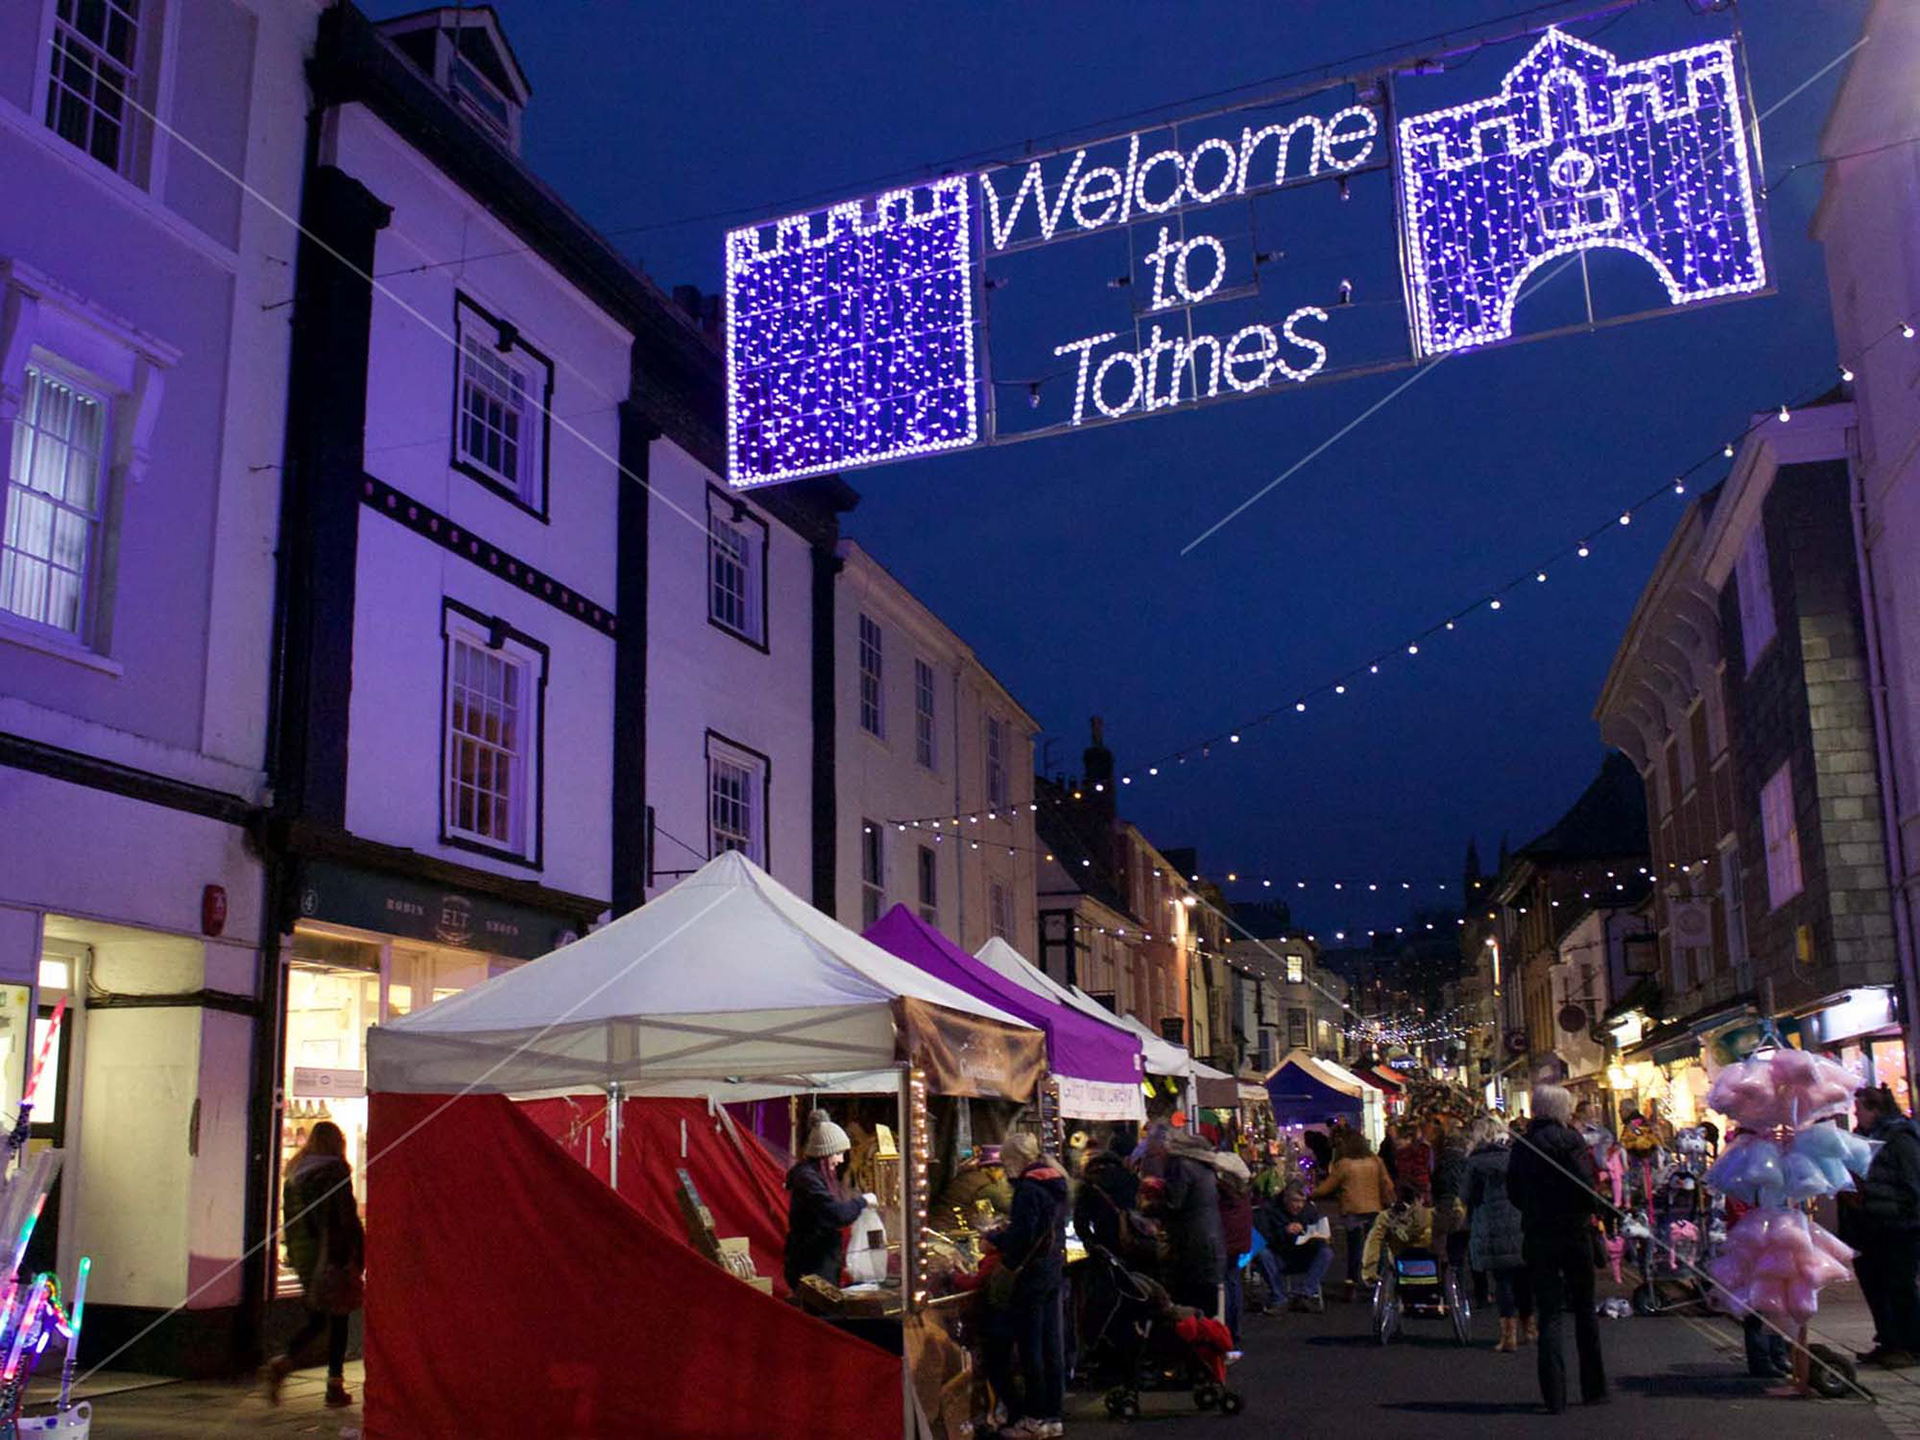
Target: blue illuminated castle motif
1578,152
850,335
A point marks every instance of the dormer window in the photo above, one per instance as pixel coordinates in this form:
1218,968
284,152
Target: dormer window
488,105
465,53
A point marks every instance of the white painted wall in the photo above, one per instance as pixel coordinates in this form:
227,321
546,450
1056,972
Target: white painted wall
701,678
394,777
881,779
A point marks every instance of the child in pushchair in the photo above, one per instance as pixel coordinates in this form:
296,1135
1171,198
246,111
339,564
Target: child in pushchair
1136,1338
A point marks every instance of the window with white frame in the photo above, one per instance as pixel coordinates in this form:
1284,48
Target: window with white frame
1755,586
873,875
504,387
492,737
929,886
736,568
999,911
89,388
873,716
996,761
923,732
1781,831
56,482
737,800
93,77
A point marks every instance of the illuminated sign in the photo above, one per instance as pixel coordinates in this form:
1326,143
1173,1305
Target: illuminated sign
1578,152
850,335
863,333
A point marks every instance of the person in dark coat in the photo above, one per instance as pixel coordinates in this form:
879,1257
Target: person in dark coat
1495,1238
1033,1243
1885,1227
1190,1206
1449,1189
320,1222
1302,1240
1108,1190
818,1210
1322,1149
1551,1181
1235,1185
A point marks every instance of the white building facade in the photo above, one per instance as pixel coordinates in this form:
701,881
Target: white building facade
926,734
143,371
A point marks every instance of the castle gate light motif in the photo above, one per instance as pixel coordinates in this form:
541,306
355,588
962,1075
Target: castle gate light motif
1578,152
862,333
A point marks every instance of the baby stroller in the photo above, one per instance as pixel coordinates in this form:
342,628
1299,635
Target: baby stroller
1134,1341
1672,1237
1416,1282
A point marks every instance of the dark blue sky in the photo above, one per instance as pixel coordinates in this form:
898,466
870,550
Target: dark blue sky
1060,560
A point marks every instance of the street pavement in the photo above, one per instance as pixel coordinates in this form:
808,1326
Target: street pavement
1323,1375
1303,1375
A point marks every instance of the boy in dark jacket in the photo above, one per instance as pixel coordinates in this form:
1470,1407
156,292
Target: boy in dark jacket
1034,1243
1886,1228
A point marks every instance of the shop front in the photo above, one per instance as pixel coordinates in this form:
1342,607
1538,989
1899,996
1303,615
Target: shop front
369,948
1860,1028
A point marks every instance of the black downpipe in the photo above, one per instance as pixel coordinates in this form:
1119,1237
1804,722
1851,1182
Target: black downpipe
312,671
631,818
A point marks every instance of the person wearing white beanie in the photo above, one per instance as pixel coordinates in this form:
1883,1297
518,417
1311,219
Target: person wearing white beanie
818,1208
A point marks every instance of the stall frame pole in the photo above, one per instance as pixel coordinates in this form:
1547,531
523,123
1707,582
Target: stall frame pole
910,1142
613,1135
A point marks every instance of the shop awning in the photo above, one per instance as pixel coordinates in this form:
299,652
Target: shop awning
727,978
1670,1042
1161,1055
1096,1066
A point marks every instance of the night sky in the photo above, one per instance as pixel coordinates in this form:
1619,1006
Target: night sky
1060,560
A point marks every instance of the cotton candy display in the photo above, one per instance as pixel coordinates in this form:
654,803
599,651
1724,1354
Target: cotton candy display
1783,1087
1819,1161
1776,1263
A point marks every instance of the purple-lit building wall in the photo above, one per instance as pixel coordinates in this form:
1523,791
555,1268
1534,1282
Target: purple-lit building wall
139,287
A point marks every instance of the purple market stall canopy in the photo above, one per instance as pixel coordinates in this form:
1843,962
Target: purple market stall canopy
1096,1066
1157,1056
860,333
1305,1094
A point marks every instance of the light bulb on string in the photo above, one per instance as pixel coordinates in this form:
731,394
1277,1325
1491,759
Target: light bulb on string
1583,551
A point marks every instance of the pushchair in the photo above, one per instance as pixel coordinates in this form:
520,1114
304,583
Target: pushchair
1673,1236
1132,1341
1417,1283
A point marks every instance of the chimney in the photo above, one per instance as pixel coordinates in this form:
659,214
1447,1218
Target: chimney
1097,761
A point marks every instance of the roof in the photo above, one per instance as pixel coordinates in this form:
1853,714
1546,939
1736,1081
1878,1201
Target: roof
1608,820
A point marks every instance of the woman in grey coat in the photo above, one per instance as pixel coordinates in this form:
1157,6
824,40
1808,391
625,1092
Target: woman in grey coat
1494,1243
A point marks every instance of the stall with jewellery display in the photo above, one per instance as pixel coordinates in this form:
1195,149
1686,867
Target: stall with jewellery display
643,1041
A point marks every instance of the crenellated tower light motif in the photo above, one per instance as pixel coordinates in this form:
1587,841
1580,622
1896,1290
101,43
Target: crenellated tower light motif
1578,151
850,335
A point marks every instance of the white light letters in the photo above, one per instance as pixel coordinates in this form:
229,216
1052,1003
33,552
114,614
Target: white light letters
1168,180
1249,360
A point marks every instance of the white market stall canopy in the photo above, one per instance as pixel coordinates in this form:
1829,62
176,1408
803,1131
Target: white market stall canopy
1160,1055
727,982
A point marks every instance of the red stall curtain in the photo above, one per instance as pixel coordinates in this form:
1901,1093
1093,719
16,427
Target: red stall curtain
738,1179
510,1293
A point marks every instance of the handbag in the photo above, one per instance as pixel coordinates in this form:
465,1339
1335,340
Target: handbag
1001,1283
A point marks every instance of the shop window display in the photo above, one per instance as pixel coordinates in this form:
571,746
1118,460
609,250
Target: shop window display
338,986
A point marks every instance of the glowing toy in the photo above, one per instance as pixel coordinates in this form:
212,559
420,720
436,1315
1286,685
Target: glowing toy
1578,151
